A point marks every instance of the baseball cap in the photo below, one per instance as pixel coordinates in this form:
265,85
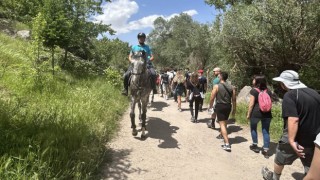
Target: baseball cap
290,79
217,69
200,71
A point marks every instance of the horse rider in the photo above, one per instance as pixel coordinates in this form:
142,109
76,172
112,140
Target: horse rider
136,48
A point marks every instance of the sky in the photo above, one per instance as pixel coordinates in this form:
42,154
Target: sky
129,17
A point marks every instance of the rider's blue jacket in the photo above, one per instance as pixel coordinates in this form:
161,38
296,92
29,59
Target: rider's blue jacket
145,48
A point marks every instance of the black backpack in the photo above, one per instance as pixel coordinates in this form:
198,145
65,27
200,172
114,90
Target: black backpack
165,78
196,91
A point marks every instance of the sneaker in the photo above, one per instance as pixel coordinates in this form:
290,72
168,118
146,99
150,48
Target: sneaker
124,92
219,136
265,154
192,119
266,173
254,148
226,147
211,125
180,109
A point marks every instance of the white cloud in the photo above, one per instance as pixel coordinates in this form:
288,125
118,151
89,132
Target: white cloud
118,12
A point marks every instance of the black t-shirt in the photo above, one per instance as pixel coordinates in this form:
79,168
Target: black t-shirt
165,78
256,112
202,82
191,87
303,103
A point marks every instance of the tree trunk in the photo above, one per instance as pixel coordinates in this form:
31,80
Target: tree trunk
52,58
65,58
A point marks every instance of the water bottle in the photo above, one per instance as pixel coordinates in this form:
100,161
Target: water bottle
210,111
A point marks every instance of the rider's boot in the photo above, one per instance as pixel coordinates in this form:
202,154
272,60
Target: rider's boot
126,86
153,85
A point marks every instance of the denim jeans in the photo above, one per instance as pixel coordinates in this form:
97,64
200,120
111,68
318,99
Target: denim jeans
265,123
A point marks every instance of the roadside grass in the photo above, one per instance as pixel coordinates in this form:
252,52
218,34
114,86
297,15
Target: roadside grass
276,125
55,128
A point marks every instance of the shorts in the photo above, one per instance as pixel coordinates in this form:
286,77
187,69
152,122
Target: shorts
222,111
285,155
179,91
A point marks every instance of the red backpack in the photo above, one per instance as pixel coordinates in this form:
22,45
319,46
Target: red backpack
265,103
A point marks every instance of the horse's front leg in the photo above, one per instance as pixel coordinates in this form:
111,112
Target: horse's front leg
139,106
144,117
132,117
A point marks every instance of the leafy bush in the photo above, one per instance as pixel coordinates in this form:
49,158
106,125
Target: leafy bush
113,77
52,127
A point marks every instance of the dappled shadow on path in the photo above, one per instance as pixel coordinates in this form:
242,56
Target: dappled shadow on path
234,128
237,140
297,176
158,106
162,130
117,165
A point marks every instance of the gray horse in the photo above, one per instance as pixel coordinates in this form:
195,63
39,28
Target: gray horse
140,89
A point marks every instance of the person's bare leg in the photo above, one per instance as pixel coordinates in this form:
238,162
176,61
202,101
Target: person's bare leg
224,133
277,171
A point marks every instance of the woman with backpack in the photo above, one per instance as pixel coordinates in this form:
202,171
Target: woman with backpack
260,109
179,82
193,95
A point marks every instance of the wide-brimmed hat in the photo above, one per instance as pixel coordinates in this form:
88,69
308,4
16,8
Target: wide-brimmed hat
290,79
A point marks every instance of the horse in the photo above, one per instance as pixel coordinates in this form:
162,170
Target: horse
140,88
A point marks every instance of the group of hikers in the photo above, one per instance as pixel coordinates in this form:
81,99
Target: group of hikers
300,111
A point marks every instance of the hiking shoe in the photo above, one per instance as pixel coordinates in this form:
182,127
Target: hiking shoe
124,92
211,125
219,136
180,109
266,173
254,148
192,119
226,147
265,154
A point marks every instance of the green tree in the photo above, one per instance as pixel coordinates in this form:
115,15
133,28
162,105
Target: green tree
270,36
180,41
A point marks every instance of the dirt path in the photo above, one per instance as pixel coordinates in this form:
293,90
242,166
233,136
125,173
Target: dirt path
175,148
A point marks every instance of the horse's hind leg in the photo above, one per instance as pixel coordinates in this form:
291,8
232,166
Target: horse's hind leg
132,117
143,118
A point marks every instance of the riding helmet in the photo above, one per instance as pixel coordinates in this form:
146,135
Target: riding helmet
143,35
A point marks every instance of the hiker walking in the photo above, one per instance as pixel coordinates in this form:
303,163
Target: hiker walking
301,115
194,96
215,81
179,83
165,85
203,87
225,96
260,110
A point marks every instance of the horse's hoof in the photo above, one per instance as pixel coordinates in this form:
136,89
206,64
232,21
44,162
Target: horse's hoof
143,137
134,132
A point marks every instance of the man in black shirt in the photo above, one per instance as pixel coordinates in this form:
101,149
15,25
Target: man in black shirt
301,115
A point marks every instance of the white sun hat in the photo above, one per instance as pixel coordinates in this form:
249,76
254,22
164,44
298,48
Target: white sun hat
290,79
